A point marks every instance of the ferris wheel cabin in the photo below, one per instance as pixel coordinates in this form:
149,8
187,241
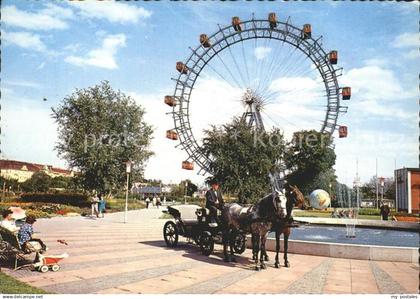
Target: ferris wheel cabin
272,19
333,57
204,41
306,31
346,93
181,67
187,165
342,132
171,134
236,23
170,101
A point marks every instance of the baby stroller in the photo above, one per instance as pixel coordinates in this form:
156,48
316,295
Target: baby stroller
43,263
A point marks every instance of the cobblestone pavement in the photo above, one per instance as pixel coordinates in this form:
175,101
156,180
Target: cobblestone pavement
107,256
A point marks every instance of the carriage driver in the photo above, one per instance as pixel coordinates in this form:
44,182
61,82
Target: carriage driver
214,202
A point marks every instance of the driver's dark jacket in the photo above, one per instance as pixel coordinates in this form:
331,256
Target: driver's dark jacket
212,197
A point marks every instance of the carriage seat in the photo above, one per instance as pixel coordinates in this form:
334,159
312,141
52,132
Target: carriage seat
185,213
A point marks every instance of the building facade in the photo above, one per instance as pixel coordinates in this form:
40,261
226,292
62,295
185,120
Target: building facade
407,189
21,171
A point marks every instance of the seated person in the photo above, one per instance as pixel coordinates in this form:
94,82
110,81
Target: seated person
25,235
214,202
8,222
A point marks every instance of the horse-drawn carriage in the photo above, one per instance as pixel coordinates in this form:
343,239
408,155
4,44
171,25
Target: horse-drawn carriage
192,222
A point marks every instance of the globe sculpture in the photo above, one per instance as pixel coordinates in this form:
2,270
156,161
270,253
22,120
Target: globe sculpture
319,199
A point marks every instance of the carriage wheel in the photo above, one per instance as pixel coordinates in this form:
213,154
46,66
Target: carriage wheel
44,269
239,243
55,268
206,243
170,234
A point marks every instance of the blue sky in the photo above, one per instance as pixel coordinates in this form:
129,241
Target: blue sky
51,48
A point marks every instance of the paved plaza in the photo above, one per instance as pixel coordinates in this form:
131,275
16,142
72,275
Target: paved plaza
110,257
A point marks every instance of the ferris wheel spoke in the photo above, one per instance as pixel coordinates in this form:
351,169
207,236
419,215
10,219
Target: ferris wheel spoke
220,75
237,66
229,71
273,70
262,64
246,64
274,58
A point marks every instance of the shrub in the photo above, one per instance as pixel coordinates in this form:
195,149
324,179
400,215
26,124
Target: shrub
371,212
71,199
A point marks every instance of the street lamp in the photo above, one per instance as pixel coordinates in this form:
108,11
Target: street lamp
128,171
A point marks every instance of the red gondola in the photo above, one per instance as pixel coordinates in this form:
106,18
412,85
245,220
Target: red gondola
333,57
306,31
170,101
181,67
236,23
346,93
342,131
272,19
204,41
171,134
187,165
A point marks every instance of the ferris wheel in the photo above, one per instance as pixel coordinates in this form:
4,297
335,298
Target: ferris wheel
273,68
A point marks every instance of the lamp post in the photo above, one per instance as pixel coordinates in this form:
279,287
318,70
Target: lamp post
186,192
128,171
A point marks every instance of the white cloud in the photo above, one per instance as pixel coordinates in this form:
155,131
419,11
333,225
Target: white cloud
262,52
103,57
366,145
375,83
51,17
115,12
406,40
26,125
24,40
413,54
22,83
166,163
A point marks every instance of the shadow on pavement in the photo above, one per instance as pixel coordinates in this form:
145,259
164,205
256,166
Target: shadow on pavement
192,251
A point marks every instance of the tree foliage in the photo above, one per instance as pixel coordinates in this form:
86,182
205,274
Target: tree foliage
242,158
99,129
310,156
38,182
180,191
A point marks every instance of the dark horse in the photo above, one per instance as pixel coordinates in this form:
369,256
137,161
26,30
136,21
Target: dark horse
279,226
254,219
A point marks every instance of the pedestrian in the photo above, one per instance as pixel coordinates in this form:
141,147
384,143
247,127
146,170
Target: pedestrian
164,200
158,202
101,206
154,200
94,201
384,211
147,202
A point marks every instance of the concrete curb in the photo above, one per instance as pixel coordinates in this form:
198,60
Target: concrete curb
347,251
383,224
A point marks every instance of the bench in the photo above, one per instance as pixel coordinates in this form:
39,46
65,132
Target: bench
9,246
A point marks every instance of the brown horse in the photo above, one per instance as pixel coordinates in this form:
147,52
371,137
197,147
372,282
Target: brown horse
279,226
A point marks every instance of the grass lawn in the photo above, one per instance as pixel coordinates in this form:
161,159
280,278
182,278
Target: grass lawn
9,285
118,204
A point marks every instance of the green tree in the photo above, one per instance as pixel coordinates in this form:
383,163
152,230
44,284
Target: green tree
99,129
38,182
310,157
242,157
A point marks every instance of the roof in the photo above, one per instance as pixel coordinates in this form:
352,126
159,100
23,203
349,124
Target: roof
409,169
33,167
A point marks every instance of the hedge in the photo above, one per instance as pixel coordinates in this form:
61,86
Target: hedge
71,199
